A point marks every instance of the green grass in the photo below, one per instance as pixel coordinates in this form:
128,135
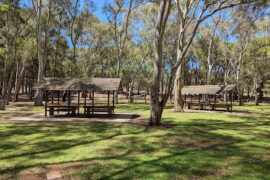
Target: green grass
193,145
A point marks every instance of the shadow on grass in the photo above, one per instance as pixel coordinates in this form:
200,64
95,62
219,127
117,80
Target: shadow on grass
196,148
43,141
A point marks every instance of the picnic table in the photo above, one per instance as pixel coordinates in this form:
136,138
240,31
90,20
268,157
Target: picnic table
228,107
195,104
51,108
91,109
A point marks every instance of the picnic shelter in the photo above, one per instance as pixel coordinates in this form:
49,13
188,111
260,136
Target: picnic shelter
59,95
209,97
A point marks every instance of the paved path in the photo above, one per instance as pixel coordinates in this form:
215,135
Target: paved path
23,116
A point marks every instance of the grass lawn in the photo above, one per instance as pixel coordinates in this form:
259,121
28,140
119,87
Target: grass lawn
193,145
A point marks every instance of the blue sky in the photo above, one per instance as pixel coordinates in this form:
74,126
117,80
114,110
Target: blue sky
98,10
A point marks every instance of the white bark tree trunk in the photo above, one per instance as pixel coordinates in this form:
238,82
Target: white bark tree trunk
41,73
157,102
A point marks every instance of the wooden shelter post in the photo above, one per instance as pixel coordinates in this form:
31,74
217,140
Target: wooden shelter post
231,99
58,101
113,99
46,103
226,99
215,99
52,96
108,102
58,97
79,98
205,103
200,102
185,98
69,101
93,101
85,94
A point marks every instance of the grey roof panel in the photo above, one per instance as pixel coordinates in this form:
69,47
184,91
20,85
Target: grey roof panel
206,89
97,84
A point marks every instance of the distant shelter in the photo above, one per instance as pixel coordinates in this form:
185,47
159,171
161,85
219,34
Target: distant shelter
209,97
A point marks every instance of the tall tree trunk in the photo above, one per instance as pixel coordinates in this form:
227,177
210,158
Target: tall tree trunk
238,88
157,105
46,39
226,74
7,46
130,92
41,73
156,109
178,85
18,84
9,88
5,82
209,73
209,54
255,80
119,58
256,91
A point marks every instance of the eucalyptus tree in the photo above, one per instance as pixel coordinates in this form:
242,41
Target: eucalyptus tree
190,15
38,11
137,67
94,39
245,31
119,14
208,45
16,30
157,103
8,33
257,68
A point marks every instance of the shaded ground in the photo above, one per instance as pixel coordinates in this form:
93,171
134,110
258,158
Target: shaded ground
195,146
22,116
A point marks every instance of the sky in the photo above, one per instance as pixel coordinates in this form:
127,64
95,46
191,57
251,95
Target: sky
98,8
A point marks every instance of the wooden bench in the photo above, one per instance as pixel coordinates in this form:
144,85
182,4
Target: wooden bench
63,108
91,109
228,107
195,104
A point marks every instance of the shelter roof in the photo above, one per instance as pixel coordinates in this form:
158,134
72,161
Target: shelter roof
96,84
206,89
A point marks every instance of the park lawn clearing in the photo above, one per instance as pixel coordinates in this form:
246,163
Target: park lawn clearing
189,145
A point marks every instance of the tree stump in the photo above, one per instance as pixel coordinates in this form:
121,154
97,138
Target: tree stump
2,104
